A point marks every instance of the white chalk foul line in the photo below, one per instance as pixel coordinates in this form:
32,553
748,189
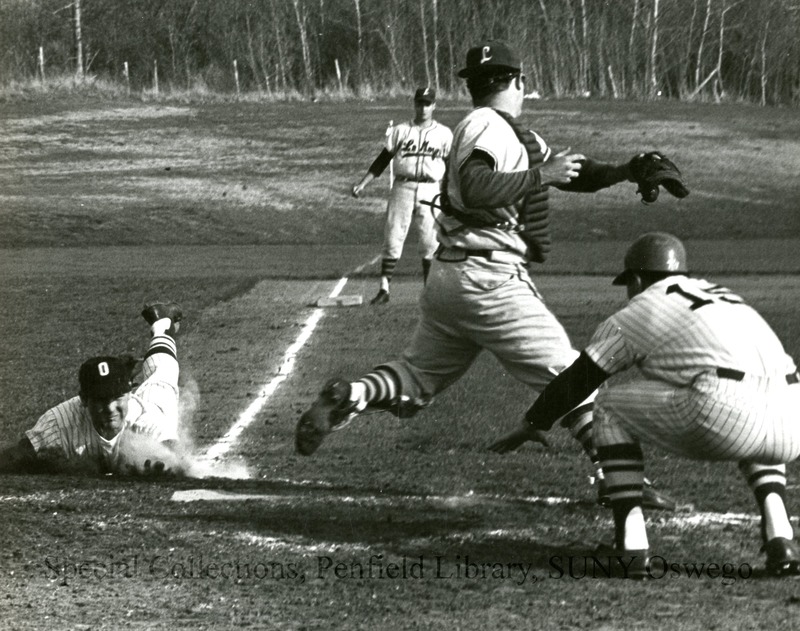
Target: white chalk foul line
219,449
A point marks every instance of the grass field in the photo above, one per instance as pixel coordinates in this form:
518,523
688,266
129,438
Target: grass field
241,213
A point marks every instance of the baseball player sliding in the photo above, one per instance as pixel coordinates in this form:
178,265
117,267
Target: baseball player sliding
417,150
479,294
688,366
107,427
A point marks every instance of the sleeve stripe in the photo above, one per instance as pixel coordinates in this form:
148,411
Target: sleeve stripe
162,344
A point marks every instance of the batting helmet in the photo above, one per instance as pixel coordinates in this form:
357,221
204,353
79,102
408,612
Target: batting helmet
654,252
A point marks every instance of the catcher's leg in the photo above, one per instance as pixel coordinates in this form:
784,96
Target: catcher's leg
528,340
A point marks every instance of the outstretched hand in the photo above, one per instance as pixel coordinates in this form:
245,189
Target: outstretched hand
155,469
519,436
562,167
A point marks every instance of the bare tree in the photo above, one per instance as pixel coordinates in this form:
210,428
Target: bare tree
424,41
688,50
359,43
632,43
258,69
78,40
387,33
302,27
654,51
280,46
699,61
629,48
549,35
435,32
719,89
584,49
764,63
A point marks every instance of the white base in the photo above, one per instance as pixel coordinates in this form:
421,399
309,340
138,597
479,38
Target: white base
341,301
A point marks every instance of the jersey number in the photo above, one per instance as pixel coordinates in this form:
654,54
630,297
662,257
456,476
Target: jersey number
717,292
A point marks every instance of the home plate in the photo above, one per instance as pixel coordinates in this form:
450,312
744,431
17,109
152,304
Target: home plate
351,300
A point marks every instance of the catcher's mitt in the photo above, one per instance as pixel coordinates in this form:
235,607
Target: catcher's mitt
649,170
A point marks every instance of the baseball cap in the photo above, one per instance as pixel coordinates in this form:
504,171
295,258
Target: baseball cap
490,57
426,95
105,377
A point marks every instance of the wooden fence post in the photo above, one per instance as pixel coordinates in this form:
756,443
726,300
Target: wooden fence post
338,73
155,77
236,76
41,62
127,76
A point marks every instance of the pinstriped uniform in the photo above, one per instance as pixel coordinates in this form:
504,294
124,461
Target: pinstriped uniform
152,411
664,350
419,166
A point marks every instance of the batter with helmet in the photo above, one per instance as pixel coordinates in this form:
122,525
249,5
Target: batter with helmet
688,366
417,151
480,294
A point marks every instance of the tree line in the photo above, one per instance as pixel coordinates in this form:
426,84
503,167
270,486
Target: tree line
688,49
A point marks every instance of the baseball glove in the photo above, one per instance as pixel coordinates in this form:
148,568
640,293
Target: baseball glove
649,170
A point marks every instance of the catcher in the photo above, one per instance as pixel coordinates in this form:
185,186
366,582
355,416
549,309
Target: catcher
108,427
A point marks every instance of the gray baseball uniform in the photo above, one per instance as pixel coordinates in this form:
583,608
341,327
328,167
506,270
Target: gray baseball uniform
484,301
419,165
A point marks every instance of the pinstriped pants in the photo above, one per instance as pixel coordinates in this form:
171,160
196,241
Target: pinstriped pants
755,420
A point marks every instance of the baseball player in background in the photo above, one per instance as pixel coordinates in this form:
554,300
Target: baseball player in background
479,294
417,150
691,368
107,427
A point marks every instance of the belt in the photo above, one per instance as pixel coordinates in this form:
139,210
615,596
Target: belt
738,375
457,255
424,180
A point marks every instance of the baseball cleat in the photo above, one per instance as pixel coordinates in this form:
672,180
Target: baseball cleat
332,410
783,557
651,499
381,298
154,311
